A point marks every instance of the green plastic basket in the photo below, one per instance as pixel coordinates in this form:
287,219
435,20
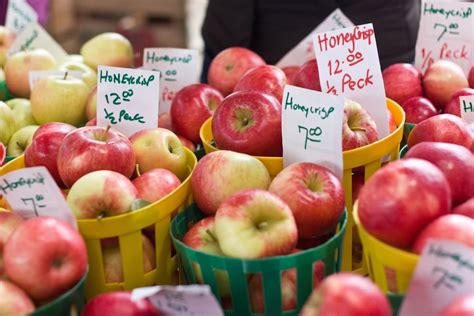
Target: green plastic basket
239,270
5,95
70,303
396,301
403,151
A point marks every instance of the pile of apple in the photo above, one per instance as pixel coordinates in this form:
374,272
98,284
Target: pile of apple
40,259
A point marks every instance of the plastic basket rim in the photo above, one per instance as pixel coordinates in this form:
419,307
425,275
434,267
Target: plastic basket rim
333,239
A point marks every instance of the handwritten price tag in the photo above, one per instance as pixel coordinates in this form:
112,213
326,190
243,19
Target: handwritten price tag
304,51
446,32
467,108
349,65
445,271
35,36
19,15
190,300
127,99
312,128
32,192
178,68
36,75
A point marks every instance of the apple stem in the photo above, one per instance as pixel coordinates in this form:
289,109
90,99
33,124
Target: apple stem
211,234
137,170
104,137
358,129
65,75
101,216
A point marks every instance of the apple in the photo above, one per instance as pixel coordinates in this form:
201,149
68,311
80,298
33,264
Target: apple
418,109
3,152
387,208
454,105
265,78
308,76
314,195
21,140
94,148
191,107
441,80
471,78
402,81
456,162
187,143
44,148
254,223
8,223
392,125
108,49
14,300
92,122
290,72
346,294
18,67
59,99
164,121
249,122
304,244
155,184
45,257
461,306
100,194
6,39
113,260
73,57
7,123
118,303
89,76
446,128
22,112
222,173
229,66
91,105
453,227
466,208
159,148
358,129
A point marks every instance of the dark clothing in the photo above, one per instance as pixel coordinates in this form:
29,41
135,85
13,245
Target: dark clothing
272,27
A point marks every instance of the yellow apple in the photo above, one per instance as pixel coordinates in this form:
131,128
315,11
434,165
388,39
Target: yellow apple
108,49
89,76
6,39
7,123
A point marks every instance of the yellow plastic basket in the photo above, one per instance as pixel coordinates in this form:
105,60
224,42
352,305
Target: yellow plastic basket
389,267
128,228
369,157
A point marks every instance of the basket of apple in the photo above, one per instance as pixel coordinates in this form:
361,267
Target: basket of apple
43,267
261,244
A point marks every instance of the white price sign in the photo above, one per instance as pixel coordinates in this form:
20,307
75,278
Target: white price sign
36,75
19,15
466,104
178,68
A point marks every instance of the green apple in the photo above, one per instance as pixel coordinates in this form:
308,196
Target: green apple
6,39
22,112
7,123
89,76
59,99
21,140
91,105
18,67
73,57
108,49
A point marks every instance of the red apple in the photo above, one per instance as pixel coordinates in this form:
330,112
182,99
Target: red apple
191,107
454,105
290,72
445,128
308,76
471,78
451,227
94,148
347,294
249,122
314,195
92,122
229,66
461,306
187,143
456,162
387,207
358,128
118,303
358,181
3,152
44,149
155,184
8,223
164,121
402,81
266,78
466,208
45,257
441,80
313,242
392,125
418,109
14,301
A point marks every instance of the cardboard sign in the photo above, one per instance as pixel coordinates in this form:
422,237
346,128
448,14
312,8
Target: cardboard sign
127,99
19,15
312,128
178,68
34,76
349,65
467,108
446,32
304,51
444,272
32,192
190,300
35,36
